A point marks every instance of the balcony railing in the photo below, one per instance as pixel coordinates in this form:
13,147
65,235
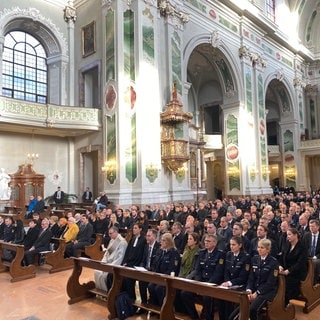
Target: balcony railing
23,113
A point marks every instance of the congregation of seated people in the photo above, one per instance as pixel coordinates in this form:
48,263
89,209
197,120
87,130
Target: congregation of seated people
240,243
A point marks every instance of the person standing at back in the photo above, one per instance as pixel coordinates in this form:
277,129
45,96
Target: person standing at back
58,196
87,196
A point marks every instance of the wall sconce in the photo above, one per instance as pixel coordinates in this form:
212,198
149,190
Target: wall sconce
253,172
152,172
290,171
265,171
109,169
233,171
181,173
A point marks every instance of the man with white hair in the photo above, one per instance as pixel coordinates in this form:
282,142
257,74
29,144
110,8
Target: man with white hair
114,255
41,244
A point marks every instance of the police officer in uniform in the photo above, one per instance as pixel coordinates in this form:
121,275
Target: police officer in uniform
263,279
167,261
236,273
209,267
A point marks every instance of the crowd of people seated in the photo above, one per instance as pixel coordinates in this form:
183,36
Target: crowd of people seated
242,244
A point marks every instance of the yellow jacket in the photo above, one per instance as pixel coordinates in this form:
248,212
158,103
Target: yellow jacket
71,232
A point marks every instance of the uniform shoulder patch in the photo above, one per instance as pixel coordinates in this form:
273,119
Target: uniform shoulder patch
247,267
220,261
275,272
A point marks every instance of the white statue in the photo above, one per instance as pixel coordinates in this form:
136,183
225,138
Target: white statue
5,190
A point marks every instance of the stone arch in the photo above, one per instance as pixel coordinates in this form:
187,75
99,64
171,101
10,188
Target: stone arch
216,42
30,20
283,85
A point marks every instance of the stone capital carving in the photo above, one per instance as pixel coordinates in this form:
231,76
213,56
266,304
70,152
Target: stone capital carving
255,58
70,14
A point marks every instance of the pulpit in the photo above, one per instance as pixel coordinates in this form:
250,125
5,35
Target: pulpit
24,183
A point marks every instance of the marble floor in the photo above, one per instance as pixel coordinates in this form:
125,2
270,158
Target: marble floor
44,298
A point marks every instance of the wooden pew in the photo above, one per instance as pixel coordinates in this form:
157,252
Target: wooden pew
94,251
56,258
77,291
310,294
16,269
126,233
276,309
13,210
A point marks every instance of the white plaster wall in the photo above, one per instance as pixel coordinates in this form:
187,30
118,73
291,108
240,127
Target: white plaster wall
53,157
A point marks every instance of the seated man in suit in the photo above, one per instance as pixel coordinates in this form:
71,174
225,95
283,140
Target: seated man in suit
41,244
149,254
178,236
311,241
40,206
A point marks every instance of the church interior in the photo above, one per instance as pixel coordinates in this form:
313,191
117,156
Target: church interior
159,101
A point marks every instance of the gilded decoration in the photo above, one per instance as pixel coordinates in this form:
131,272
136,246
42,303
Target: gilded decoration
174,151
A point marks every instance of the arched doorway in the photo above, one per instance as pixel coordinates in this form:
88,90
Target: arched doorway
282,152
209,74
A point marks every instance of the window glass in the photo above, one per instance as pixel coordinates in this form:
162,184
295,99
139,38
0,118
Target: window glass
24,68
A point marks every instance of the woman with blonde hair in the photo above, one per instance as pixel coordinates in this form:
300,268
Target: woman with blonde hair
262,284
167,261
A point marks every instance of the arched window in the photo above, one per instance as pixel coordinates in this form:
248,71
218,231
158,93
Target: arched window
24,68
270,9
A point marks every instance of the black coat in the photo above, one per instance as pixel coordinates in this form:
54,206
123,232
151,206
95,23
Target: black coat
43,241
236,269
180,242
167,261
307,242
296,261
40,206
263,277
155,249
134,254
31,237
209,267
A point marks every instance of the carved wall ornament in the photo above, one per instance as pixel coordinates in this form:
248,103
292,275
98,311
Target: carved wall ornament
297,81
280,75
70,14
255,58
215,39
311,89
107,4
169,10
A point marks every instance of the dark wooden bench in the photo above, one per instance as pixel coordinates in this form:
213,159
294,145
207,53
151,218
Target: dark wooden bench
276,309
94,250
310,293
13,210
77,291
16,269
126,233
56,258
